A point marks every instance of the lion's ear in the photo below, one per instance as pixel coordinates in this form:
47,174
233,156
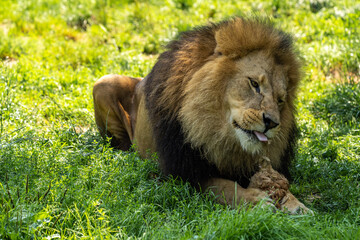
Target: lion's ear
220,43
217,53
239,37
230,39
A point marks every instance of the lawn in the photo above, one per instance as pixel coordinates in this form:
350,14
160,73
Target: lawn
59,179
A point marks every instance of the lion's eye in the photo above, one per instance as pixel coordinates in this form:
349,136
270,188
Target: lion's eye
280,101
255,84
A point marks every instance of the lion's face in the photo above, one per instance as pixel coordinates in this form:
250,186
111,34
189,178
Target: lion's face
254,98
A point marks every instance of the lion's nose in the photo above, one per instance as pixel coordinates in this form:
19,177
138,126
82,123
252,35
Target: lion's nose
269,123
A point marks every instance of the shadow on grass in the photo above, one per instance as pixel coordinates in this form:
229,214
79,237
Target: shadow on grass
338,105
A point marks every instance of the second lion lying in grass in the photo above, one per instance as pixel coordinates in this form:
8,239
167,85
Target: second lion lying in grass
221,97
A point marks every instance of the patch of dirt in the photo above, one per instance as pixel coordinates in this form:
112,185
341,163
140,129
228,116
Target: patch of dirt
336,75
9,61
5,26
81,129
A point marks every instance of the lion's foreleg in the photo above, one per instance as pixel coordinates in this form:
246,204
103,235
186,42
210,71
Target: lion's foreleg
230,193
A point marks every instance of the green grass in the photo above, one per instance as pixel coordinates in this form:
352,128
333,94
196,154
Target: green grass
59,179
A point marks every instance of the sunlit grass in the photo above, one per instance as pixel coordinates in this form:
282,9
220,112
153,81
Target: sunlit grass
59,179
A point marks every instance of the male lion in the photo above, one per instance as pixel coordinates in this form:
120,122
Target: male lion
216,102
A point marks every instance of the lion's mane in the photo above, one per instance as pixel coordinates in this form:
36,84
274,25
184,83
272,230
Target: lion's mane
185,103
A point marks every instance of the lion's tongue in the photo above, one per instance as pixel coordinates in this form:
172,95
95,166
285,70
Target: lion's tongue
261,136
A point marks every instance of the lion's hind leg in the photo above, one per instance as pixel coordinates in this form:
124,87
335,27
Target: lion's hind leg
112,96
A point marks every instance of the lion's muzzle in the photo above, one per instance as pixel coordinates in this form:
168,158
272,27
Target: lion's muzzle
269,123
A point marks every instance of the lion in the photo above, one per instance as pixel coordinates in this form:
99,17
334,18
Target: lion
220,98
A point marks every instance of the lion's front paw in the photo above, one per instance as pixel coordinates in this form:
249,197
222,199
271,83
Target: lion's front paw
290,204
260,198
254,195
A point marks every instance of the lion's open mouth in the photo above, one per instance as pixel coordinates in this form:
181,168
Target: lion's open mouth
259,135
